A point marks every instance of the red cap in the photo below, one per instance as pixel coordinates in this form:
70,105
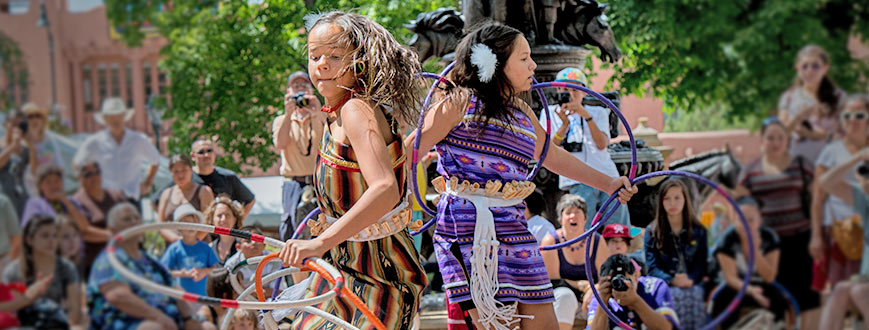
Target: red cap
616,230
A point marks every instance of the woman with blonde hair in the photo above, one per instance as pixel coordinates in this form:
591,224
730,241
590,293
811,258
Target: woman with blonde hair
224,212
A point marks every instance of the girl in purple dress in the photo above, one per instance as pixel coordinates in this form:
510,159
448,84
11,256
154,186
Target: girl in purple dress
486,137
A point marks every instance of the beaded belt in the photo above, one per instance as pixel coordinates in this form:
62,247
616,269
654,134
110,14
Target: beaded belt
390,224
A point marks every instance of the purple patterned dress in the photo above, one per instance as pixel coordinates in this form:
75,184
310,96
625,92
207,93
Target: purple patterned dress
502,152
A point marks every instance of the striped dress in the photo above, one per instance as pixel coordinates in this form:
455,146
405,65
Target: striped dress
386,273
502,151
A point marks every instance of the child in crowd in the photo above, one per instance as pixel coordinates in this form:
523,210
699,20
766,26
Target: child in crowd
189,258
243,319
248,249
677,251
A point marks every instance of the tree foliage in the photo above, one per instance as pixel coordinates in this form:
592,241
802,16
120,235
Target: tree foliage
228,61
739,54
13,69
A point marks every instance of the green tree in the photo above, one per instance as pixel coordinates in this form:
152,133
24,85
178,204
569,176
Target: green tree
12,68
739,54
227,62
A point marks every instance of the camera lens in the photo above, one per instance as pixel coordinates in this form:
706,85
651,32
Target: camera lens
301,101
619,282
863,170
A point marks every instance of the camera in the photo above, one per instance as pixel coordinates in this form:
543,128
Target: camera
22,125
301,101
863,170
618,267
561,98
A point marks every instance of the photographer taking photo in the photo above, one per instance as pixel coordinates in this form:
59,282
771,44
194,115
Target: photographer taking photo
584,132
297,134
636,300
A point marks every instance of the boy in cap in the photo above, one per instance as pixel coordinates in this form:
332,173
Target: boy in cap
189,258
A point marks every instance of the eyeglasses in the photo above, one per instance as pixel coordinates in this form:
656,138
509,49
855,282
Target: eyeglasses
204,151
34,116
848,115
813,66
90,174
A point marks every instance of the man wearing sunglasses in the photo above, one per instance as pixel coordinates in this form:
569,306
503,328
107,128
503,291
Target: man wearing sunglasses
222,181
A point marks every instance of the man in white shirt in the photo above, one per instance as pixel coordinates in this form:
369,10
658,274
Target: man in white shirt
586,137
120,151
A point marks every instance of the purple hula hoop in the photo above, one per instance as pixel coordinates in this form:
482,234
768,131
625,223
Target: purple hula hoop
415,155
600,221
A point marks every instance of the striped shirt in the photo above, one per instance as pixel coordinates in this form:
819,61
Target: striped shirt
780,194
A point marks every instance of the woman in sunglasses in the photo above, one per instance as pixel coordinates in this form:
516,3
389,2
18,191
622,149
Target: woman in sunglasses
828,209
808,108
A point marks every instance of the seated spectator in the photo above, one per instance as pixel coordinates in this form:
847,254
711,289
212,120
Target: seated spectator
189,258
70,243
566,266
618,238
218,286
645,301
53,201
223,212
854,292
676,251
15,158
10,232
115,302
244,319
719,225
731,252
185,191
15,296
537,224
96,201
60,307
248,249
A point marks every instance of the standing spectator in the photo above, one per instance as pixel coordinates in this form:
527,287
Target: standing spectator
46,150
10,232
120,151
116,303
585,136
15,157
782,184
809,108
853,293
297,134
676,251
731,252
854,121
61,304
566,266
52,201
537,224
96,201
189,258
225,213
220,180
184,191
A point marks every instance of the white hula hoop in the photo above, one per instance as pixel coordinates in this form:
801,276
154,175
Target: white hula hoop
250,262
226,303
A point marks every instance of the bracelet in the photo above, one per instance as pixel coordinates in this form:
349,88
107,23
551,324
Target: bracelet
558,136
589,118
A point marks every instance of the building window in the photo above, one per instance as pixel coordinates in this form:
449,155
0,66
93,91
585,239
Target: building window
101,82
115,71
11,87
161,80
18,7
146,72
14,88
128,81
86,81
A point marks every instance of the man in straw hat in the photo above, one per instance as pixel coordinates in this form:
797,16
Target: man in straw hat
120,151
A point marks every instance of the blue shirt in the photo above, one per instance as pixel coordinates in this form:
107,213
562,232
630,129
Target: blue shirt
653,291
689,257
861,207
180,256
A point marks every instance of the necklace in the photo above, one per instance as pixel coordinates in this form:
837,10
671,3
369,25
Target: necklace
340,103
578,245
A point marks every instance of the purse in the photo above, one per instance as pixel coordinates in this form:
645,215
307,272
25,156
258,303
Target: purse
848,235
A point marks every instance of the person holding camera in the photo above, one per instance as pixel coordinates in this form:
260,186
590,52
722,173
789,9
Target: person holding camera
639,301
583,131
15,156
297,134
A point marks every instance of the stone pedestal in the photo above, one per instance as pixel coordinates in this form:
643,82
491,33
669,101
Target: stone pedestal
552,58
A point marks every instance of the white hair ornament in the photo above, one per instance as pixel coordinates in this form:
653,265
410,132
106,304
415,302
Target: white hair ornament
485,60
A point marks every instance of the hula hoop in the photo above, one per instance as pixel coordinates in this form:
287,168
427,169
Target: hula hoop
600,221
319,265
233,280
415,153
781,290
274,276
